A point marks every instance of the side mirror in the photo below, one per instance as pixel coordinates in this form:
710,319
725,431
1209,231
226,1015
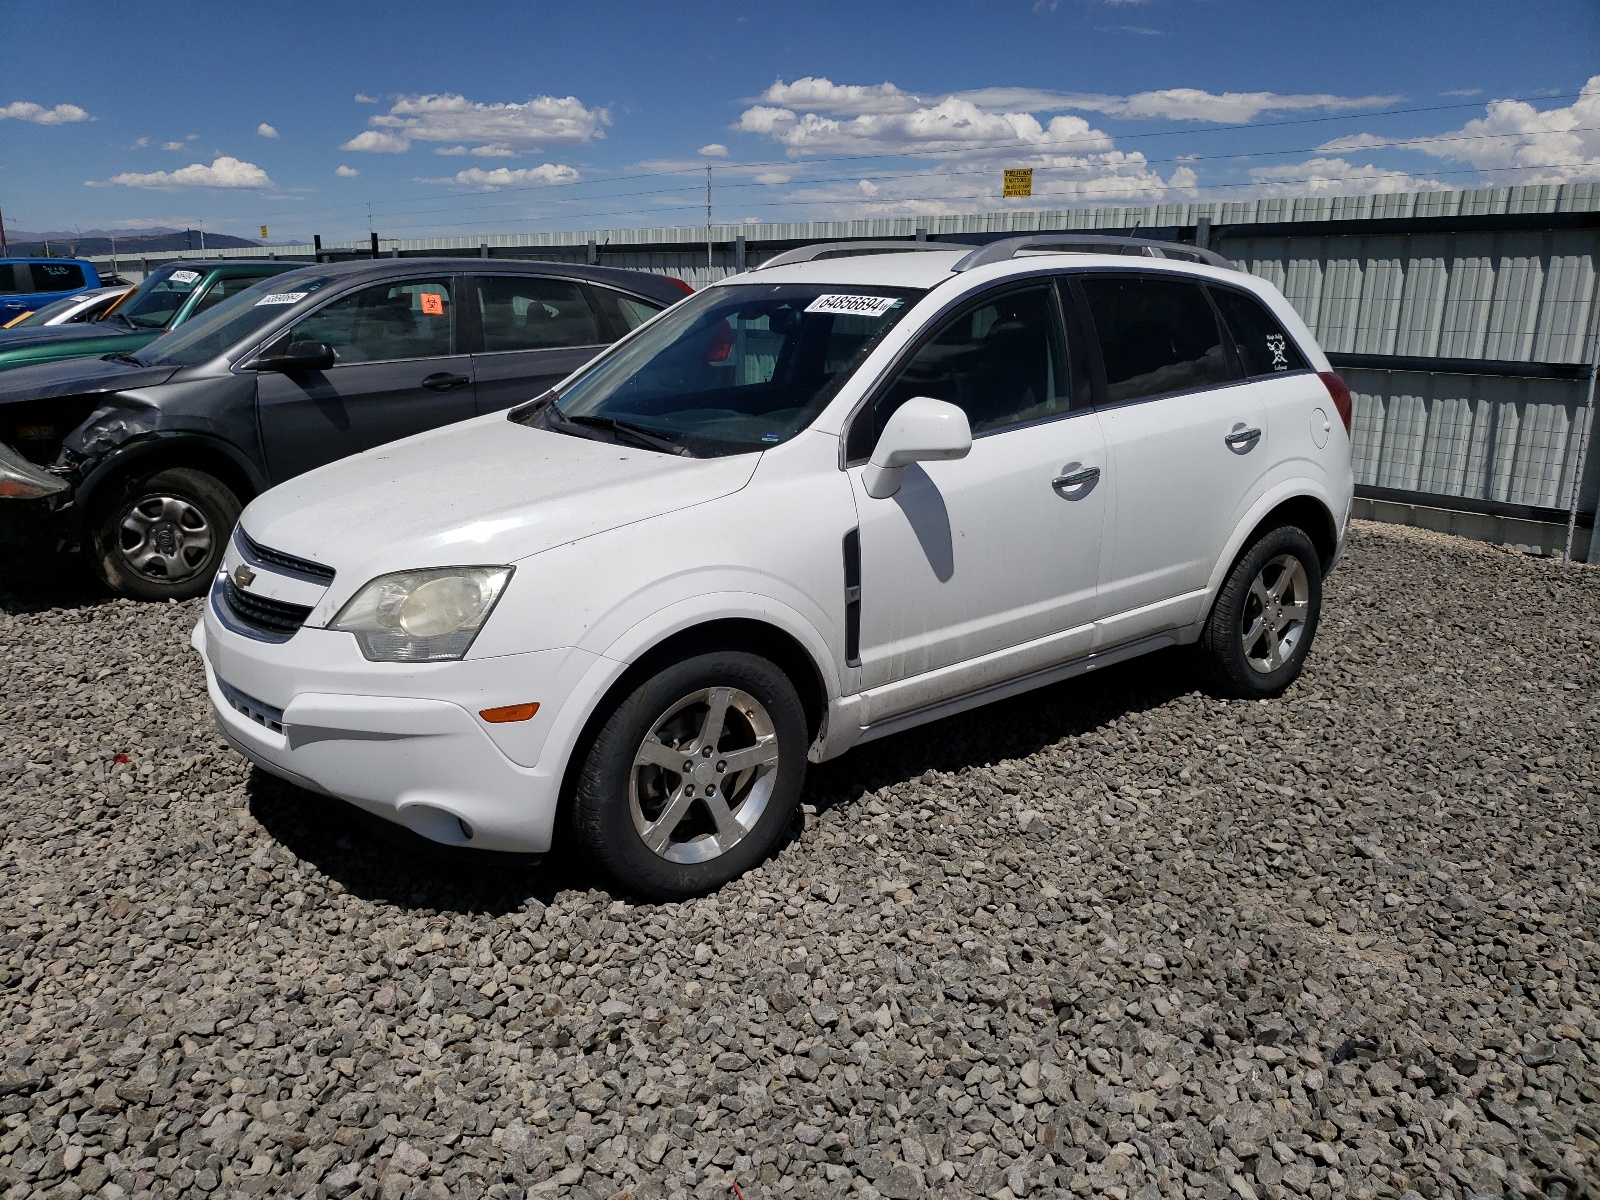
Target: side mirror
297,357
921,430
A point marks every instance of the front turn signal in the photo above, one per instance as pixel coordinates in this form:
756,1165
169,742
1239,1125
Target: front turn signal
508,713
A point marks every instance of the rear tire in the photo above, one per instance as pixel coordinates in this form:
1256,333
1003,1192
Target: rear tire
694,776
164,535
1256,639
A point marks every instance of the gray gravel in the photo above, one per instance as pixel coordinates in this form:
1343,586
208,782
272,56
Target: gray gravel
1115,938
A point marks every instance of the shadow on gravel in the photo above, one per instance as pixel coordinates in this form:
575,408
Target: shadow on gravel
1009,729
386,863
33,581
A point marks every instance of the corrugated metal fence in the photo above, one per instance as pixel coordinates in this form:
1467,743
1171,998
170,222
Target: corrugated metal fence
1465,322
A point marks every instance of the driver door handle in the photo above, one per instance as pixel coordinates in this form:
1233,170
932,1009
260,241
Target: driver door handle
443,381
1076,478
1240,436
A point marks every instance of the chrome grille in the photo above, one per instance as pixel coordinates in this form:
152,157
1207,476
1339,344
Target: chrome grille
286,562
275,618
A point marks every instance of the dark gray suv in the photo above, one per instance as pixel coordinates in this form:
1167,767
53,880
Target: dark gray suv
146,459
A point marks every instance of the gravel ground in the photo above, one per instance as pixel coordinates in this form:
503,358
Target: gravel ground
1115,938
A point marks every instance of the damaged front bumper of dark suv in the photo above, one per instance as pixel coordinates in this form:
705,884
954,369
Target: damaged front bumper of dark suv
33,501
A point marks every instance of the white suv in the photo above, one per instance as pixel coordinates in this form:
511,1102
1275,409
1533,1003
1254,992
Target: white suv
817,503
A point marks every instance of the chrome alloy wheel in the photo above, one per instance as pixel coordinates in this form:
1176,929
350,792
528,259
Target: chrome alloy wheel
165,538
1275,613
703,775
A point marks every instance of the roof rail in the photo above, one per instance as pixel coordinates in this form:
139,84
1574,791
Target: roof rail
848,250
1090,243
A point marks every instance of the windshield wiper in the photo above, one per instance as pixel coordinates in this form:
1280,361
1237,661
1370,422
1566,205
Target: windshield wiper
637,434
127,358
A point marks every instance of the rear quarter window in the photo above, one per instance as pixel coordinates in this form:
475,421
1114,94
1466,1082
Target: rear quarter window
1264,348
56,277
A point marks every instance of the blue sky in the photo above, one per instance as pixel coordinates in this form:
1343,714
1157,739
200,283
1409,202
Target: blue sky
457,119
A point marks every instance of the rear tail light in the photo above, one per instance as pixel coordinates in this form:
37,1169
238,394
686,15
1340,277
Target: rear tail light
687,290
721,344
1340,394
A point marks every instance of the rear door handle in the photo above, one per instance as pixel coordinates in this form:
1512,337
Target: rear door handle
1076,478
1240,436
443,381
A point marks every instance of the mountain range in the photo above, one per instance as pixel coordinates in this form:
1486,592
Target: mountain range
67,243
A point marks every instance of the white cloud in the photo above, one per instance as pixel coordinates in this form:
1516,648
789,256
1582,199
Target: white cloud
477,151
713,150
1515,140
225,172
868,188
820,94
344,172
174,145
1336,177
363,98
1463,92
266,131
816,94
141,143
38,114
501,177
376,142
773,178
541,121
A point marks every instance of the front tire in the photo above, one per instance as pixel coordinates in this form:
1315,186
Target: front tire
694,777
1258,635
164,536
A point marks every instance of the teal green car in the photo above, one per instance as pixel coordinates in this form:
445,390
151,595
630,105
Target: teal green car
167,297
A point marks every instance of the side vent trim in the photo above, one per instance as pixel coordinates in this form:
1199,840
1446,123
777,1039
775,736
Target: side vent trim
852,598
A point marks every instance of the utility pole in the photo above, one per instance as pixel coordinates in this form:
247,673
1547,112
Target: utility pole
4,249
708,218
202,237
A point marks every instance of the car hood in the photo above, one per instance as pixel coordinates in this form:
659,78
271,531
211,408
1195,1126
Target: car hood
44,335
77,377
485,491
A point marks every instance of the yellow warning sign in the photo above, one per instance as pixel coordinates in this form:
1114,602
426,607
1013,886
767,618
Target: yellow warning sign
1019,181
263,231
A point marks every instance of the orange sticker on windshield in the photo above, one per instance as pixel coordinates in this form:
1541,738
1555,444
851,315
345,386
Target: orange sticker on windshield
432,304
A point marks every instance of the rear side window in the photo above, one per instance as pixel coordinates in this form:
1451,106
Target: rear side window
533,313
14,278
56,277
627,313
1156,336
1264,348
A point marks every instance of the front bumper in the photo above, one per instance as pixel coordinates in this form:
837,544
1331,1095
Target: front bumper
400,741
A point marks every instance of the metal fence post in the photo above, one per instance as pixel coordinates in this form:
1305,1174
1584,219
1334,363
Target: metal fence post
593,257
738,253
483,249
1583,451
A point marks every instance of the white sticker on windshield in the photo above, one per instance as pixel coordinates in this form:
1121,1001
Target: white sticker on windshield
865,306
282,298
185,276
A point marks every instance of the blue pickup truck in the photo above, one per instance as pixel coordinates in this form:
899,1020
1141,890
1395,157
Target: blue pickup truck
28,284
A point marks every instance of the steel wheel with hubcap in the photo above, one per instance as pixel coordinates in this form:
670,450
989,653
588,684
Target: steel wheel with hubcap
1255,642
695,775
164,536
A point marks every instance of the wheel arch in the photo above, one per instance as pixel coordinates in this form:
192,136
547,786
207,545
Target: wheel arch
1298,503
158,452
750,634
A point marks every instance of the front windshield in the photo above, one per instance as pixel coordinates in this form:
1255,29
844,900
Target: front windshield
736,368
157,299
230,322
43,315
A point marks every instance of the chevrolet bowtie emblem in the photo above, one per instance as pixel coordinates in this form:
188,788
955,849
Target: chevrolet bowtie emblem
243,576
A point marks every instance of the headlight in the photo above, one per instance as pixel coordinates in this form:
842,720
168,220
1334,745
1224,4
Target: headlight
422,616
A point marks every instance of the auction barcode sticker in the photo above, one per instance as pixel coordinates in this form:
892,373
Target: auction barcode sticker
282,298
865,306
185,276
